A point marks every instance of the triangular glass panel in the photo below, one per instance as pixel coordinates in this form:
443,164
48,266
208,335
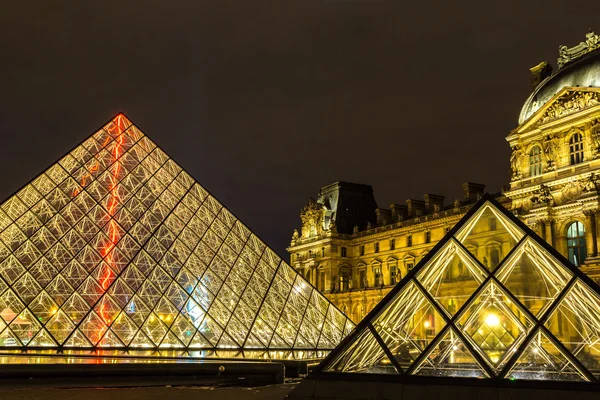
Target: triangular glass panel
543,360
451,277
494,325
60,326
124,327
450,357
489,235
116,246
42,339
171,340
576,323
141,340
78,339
408,323
25,326
533,276
362,354
110,340
9,339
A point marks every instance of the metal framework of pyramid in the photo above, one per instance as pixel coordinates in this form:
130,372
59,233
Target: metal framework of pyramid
530,315
116,246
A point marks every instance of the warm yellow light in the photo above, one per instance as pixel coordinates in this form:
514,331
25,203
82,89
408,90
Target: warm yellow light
426,324
494,359
492,320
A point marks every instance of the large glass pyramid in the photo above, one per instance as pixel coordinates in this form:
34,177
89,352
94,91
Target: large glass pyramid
116,246
490,301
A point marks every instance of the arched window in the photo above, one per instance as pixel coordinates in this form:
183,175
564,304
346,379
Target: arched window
535,161
576,243
576,148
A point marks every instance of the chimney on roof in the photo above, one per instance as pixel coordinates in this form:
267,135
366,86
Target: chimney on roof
433,200
539,73
415,207
399,212
472,190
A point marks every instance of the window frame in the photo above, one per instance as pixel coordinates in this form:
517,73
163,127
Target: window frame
576,245
535,161
576,148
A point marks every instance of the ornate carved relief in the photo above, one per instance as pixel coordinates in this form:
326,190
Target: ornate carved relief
312,216
566,55
542,196
571,191
590,184
571,102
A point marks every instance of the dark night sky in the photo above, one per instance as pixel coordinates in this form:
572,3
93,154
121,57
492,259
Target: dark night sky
264,102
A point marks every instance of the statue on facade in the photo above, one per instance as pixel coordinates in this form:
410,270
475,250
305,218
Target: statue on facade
550,150
456,204
515,159
355,229
295,236
542,196
595,134
312,216
590,184
332,226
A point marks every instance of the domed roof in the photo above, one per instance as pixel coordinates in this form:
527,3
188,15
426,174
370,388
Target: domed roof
584,72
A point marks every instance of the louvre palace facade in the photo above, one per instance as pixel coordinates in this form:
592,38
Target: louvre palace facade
355,252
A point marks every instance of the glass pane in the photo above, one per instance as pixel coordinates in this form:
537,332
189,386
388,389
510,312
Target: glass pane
408,324
363,354
576,323
450,357
489,236
451,277
534,277
542,360
494,325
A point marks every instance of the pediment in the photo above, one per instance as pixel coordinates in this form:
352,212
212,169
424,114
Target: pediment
567,101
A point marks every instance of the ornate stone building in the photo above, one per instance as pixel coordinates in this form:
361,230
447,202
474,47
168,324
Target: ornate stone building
355,252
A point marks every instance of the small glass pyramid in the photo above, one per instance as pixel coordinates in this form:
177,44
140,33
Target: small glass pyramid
116,246
491,301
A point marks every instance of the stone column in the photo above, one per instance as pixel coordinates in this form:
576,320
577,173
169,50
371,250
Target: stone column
548,236
590,233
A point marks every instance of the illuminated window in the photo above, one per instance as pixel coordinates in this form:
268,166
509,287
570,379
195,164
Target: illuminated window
576,243
392,244
410,265
535,161
377,276
492,223
576,148
427,237
344,281
394,273
376,247
409,241
344,252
